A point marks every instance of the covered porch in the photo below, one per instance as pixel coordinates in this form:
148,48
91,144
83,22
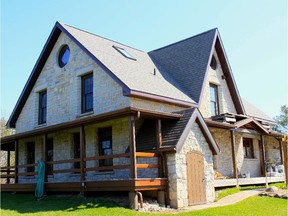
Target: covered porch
250,153
128,166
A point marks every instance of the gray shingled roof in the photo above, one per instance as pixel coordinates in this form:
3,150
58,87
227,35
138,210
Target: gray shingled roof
172,130
186,61
137,75
253,111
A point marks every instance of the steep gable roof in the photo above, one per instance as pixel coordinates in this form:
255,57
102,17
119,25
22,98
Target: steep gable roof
188,62
174,133
135,76
253,111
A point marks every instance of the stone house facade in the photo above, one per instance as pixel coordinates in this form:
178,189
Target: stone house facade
105,116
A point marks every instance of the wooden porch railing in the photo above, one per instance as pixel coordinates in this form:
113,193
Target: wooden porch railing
9,171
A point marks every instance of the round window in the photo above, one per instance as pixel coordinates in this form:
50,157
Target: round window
63,56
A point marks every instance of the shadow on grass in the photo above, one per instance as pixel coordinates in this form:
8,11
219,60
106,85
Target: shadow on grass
27,203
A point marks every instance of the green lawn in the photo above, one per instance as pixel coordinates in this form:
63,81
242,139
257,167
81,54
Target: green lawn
26,204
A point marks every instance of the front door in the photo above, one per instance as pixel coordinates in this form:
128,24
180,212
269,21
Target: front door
195,178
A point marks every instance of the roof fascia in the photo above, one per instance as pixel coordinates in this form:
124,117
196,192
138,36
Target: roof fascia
158,98
125,88
207,68
229,75
251,121
11,123
196,116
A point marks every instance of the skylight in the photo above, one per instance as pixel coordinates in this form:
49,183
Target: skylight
124,52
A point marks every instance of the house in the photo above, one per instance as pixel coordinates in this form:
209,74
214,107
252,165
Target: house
104,116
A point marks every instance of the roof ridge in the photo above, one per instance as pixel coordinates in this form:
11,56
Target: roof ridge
101,37
197,35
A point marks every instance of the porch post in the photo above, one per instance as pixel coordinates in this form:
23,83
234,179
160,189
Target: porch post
132,136
159,144
82,152
16,161
284,144
235,171
8,165
264,158
45,155
281,151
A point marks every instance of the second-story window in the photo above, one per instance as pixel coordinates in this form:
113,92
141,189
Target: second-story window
87,93
214,102
42,107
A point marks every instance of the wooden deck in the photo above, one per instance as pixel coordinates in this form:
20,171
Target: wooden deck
246,181
112,185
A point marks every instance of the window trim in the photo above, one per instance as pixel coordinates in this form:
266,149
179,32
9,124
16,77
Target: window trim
245,148
216,102
83,95
42,109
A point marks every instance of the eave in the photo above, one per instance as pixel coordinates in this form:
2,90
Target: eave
138,112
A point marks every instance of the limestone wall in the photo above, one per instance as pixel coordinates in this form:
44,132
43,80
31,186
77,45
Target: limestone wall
223,161
63,87
225,101
177,169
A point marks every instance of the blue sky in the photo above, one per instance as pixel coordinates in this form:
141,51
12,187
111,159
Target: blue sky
254,33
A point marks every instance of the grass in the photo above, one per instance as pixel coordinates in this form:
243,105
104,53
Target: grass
27,205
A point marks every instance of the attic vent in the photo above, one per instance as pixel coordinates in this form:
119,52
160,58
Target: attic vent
124,52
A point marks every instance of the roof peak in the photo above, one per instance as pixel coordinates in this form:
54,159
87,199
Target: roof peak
105,38
194,36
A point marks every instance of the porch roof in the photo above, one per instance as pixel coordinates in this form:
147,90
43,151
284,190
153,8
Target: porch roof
93,119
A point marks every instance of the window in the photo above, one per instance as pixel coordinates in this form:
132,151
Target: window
213,63
248,148
50,154
76,149
214,103
87,93
105,145
30,156
42,107
124,52
63,56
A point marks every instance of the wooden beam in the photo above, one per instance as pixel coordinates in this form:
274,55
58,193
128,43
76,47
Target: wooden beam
132,137
281,151
284,144
82,152
16,143
8,164
235,171
264,157
45,155
159,144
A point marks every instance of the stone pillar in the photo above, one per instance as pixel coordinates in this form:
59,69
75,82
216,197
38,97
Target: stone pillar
133,200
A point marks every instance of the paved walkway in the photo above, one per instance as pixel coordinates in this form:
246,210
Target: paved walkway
228,200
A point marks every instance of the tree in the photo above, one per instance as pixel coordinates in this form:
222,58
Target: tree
282,120
4,130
